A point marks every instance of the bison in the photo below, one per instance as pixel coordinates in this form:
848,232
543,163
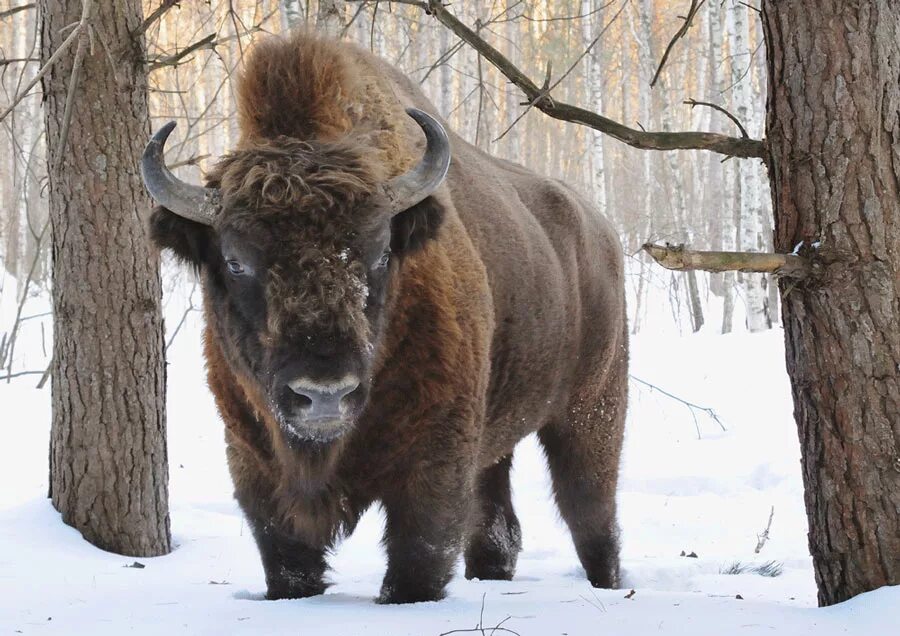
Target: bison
387,314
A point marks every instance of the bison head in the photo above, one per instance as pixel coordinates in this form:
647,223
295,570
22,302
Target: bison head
297,243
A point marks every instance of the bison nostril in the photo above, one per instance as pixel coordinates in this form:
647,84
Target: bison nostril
325,399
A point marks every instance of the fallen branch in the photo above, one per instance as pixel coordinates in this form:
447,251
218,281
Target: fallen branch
537,97
678,258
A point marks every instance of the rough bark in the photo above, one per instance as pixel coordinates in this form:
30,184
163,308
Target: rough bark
834,136
108,464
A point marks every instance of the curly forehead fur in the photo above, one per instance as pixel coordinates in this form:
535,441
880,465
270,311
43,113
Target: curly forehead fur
277,178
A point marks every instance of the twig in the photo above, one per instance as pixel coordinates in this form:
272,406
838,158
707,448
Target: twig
678,258
190,161
19,374
84,32
16,60
7,350
9,12
691,406
762,538
480,628
693,102
158,13
44,70
692,11
184,316
714,142
209,42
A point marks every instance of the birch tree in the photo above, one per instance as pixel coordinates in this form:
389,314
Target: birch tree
594,78
749,190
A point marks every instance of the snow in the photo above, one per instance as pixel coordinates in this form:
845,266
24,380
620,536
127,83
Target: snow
711,496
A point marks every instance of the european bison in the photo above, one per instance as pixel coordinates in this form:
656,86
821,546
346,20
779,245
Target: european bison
378,333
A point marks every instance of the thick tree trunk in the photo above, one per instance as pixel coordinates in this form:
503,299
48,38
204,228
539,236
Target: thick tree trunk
834,137
108,465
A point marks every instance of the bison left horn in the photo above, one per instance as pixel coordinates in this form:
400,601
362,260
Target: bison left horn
190,201
416,185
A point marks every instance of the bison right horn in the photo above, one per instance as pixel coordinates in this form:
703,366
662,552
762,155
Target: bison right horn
186,200
416,185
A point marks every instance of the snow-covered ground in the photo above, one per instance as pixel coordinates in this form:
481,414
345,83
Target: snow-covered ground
710,496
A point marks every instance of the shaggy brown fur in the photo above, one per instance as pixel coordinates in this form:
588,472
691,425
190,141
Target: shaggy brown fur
493,309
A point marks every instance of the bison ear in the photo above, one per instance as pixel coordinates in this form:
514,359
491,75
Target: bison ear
188,240
414,227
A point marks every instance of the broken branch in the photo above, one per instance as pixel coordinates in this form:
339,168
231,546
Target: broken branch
678,258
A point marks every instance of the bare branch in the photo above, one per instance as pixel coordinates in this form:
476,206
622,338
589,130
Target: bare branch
84,32
16,60
691,406
44,69
722,144
209,42
678,258
158,13
9,12
689,18
737,122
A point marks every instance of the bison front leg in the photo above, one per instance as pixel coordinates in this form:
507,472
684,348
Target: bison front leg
293,568
424,533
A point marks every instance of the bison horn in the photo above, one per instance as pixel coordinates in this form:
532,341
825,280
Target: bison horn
414,186
190,201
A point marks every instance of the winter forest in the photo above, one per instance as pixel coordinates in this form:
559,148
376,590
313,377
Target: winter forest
746,155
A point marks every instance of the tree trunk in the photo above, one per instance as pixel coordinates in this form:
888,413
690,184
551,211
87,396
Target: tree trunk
108,465
594,79
834,138
291,14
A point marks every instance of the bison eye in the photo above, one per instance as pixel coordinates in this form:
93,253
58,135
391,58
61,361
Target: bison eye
383,261
234,267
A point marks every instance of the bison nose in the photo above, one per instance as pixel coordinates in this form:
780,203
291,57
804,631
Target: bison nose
326,399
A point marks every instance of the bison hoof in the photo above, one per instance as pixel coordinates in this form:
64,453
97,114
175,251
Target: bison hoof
391,595
280,590
484,572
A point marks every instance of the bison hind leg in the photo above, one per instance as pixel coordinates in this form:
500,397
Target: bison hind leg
495,538
583,455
